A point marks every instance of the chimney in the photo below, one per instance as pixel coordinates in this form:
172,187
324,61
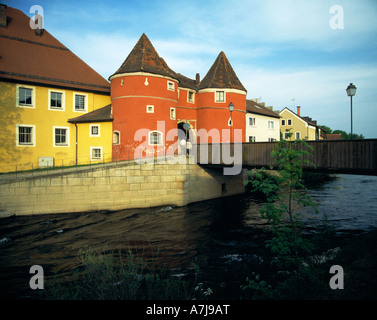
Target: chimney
299,111
38,24
197,78
3,15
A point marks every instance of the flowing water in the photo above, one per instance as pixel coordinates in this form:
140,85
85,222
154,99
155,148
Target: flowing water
219,232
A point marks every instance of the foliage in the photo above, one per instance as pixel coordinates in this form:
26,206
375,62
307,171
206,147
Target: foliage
108,276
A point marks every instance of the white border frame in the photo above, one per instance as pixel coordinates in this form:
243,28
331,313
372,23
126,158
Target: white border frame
90,130
49,100
74,102
33,102
68,137
91,154
155,144
33,135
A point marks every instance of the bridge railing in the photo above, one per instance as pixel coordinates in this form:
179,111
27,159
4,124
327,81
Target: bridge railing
347,156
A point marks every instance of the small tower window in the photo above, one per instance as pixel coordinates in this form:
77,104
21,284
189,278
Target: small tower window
171,85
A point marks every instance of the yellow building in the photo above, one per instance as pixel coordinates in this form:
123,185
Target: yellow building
42,86
302,128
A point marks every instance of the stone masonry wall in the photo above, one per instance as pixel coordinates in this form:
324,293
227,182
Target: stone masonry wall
115,187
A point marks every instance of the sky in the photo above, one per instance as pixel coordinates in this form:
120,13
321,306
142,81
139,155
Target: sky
286,53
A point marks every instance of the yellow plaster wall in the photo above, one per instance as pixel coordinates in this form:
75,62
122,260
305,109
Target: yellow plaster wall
16,158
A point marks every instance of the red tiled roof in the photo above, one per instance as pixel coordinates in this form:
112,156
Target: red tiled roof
255,107
221,75
27,57
144,57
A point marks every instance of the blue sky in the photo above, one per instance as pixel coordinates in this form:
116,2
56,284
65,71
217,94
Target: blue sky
285,52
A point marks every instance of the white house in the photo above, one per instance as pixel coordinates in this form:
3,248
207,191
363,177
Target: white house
262,123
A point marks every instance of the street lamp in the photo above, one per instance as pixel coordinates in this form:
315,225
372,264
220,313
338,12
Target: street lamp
351,91
231,108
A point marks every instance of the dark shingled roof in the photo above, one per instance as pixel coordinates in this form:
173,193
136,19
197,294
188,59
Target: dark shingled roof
255,107
100,115
27,57
221,75
144,57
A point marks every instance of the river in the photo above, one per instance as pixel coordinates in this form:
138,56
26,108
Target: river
216,233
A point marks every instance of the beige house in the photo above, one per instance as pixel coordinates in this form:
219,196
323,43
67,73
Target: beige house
303,128
262,123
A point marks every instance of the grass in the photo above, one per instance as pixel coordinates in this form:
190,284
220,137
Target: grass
112,276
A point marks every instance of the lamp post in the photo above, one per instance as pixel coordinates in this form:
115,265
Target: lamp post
231,108
351,91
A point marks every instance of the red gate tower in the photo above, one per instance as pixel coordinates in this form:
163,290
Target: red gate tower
216,91
144,95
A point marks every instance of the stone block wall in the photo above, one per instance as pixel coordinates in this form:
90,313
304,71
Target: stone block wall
116,187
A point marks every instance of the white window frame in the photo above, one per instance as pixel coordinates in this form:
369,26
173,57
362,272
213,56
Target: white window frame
253,139
67,144
92,126
283,122
188,97
160,140
33,89
91,153
118,134
289,122
285,135
150,108
171,85
253,122
173,114
85,102
224,96
62,108
271,124
33,135
299,135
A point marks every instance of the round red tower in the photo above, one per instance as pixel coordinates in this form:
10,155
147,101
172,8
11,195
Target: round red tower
144,96
216,91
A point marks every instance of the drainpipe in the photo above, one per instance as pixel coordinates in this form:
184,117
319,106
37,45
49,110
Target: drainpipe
77,145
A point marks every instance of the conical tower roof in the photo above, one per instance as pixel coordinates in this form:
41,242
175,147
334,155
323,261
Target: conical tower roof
144,57
221,75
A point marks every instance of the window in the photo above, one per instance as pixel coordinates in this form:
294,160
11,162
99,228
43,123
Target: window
190,96
252,122
251,138
61,137
116,137
80,102
289,122
283,122
94,130
298,135
287,135
25,135
172,113
95,153
150,109
171,85
56,100
271,124
155,138
271,139
219,96
25,96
